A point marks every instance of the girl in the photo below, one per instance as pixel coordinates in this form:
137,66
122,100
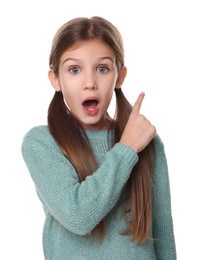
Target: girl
103,182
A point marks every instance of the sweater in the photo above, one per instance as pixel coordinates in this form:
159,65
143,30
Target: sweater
73,208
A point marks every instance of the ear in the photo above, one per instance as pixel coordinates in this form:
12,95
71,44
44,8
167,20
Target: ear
121,77
54,80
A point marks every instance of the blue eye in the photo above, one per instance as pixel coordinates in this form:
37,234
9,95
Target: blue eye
74,70
102,69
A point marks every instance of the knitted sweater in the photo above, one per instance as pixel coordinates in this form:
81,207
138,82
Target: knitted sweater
73,209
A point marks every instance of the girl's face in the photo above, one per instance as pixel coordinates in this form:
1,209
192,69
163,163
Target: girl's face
87,78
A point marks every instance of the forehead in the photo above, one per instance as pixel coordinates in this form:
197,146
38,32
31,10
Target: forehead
92,47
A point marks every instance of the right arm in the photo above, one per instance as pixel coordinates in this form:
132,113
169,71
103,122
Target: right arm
138,131
79,207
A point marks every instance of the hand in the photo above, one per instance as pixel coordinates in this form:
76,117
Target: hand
138,131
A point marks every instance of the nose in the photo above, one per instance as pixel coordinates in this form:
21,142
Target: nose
90,86
90,82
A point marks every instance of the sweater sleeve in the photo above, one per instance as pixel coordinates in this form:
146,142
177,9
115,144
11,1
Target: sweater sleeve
79,207
162,218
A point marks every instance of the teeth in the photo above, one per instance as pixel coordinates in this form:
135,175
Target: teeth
91,108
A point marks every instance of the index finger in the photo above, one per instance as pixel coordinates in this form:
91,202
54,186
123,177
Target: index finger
138,102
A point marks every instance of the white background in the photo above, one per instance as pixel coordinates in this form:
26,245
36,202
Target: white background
163,57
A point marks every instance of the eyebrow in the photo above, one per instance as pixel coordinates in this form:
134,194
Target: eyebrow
78,60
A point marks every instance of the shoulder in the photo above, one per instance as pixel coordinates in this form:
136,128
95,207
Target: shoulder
37,131
158,143
38,136
159,149
160,160
39,144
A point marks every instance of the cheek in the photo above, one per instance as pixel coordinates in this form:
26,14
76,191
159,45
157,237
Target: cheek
67,89
68,94
114,80
109,90
69,98
108,96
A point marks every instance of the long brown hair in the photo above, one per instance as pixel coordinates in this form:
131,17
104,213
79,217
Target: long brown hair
73,141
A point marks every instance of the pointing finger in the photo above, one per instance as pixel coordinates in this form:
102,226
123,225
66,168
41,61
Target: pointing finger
138,103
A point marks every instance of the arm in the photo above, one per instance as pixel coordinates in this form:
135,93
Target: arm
79,207
163,234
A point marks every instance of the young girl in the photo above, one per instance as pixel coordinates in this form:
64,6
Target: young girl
103,182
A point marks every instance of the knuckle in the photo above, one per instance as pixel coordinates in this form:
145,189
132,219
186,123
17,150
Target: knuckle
154,129
142,117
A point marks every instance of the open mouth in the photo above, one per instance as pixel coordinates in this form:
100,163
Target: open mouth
91,105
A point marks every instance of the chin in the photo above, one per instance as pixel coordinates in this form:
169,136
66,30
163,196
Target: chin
92,125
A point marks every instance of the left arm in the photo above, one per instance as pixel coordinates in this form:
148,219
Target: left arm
163,233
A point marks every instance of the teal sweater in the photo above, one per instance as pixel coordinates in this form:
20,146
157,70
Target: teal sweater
73,209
